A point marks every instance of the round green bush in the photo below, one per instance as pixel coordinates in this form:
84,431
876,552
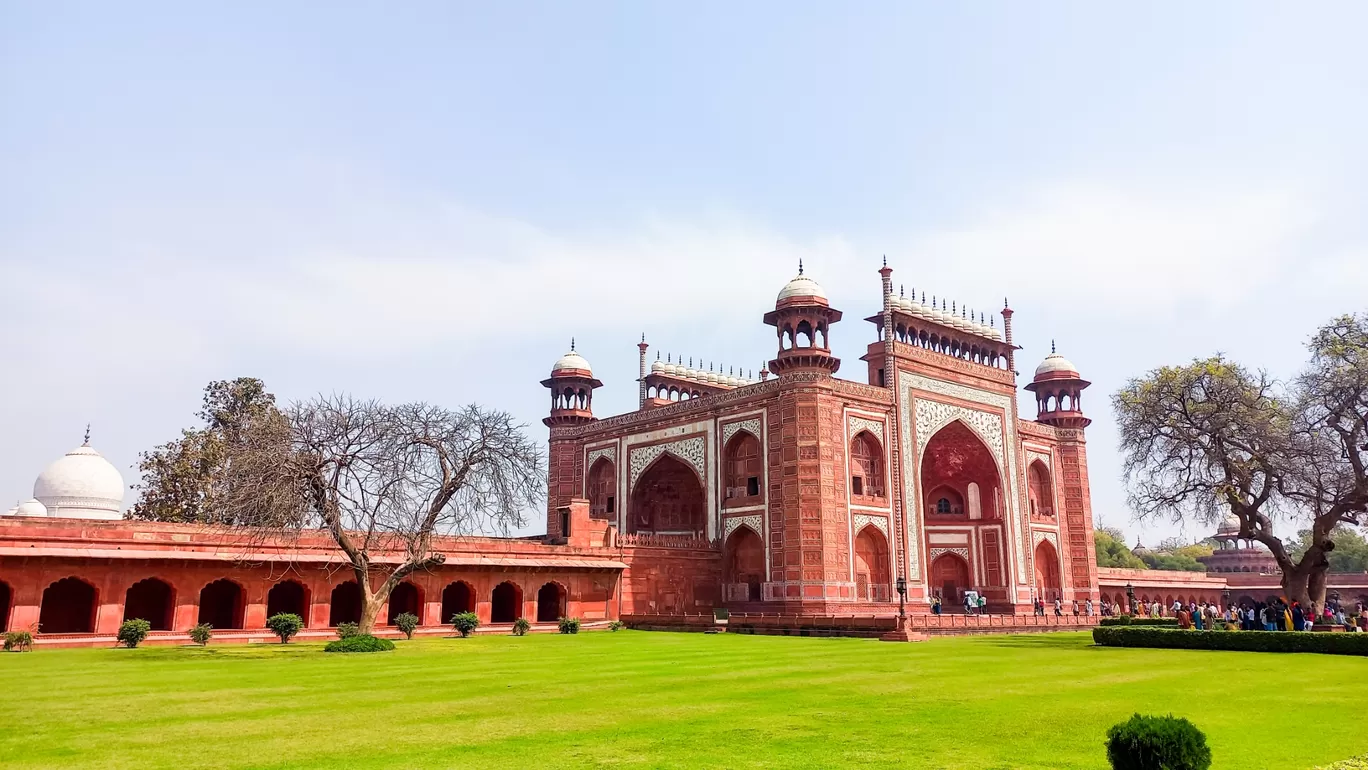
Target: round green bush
284,625
569,625
521,627
465,623
408,623
132,632
1157,743
200,634
18,641
359,643
345,630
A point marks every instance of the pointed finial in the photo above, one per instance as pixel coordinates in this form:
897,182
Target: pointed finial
914,293
572,344
657,355
1004,303
87,436
643,336
885,264
992,321
923,298
800,266
953,309
1052,348
900,290
690,362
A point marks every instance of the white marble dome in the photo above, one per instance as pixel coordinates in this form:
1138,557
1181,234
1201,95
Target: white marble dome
29,508
81,485
801,286
1230,525
571,360
1055,363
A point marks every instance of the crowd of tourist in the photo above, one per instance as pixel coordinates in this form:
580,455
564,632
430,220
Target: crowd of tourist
1273,615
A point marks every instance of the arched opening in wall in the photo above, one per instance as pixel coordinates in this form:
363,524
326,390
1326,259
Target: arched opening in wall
288,597
550,603
822,336
406,597
802,337
505,603
457,597
745,566
742,467
954,459
1047,583
871,565
221,604
668,499
1040,491
151,600
602,489
68,607
5,601
866,465
345,604
950,577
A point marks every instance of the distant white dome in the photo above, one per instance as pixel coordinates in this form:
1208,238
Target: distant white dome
81,485
1230,525
1055,363
29,508
801,286
571,360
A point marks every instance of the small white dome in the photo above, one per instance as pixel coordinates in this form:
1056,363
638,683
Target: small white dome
1230,525
571,360
81,485
1055,363
29,508
657,367
800,286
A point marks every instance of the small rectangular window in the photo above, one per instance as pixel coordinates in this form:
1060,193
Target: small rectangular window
610,504
753,486
881,378
565,522
857,485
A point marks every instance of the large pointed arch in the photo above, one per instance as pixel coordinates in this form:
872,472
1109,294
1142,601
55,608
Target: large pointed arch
961,478
600,487
1040,491
668,498
1047,571
872,569
743,469
153,600
743,556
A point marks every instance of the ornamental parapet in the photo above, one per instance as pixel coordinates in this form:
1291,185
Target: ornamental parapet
683,542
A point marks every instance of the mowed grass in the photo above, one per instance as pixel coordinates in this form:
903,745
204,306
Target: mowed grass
640,699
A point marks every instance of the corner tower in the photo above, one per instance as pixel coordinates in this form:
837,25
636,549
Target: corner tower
802,317
572,387
1058,389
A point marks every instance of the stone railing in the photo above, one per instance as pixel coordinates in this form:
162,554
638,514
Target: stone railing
665,541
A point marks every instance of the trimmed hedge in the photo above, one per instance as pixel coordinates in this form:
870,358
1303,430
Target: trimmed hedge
1157,743
1127,620
359,643
1244,641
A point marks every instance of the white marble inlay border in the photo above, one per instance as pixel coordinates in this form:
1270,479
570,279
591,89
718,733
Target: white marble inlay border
862,520
594,454
751,426
856,424
960,552
693,450
754,521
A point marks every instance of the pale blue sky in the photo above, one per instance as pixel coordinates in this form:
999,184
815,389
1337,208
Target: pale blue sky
426,201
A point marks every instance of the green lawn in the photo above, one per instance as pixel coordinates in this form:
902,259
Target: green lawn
640,699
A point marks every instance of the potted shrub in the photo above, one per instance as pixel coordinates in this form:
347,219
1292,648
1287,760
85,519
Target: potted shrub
408,623
569,625
521,626
1157,743
285,625
132,632
465,623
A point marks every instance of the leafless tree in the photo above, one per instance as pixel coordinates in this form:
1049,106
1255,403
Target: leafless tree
384,481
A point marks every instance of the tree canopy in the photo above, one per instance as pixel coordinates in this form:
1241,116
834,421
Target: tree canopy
1212,437
1112,551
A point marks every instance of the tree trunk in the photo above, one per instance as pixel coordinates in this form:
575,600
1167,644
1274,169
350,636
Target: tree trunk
370,609
1305,583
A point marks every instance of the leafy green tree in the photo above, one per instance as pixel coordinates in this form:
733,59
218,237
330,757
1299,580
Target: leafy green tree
1351,549
133,632
1212,437
183,479
408,623
1110,545
285,625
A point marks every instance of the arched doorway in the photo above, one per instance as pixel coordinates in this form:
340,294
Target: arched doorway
668,499
741,470
601,489
68,607
505,603
288,597
405,598
745,566
871,565
151,600
457,598
866,466
550,603
345,604
5,601
221,604
950,577
960,479
1047,583
1040,492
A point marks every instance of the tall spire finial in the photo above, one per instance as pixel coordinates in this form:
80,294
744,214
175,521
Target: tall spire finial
572,344
900,290
885,257
1004,303
1052,348
643,336
800,266
87,436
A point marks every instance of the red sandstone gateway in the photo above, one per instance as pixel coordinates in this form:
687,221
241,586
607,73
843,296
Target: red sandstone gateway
795,500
